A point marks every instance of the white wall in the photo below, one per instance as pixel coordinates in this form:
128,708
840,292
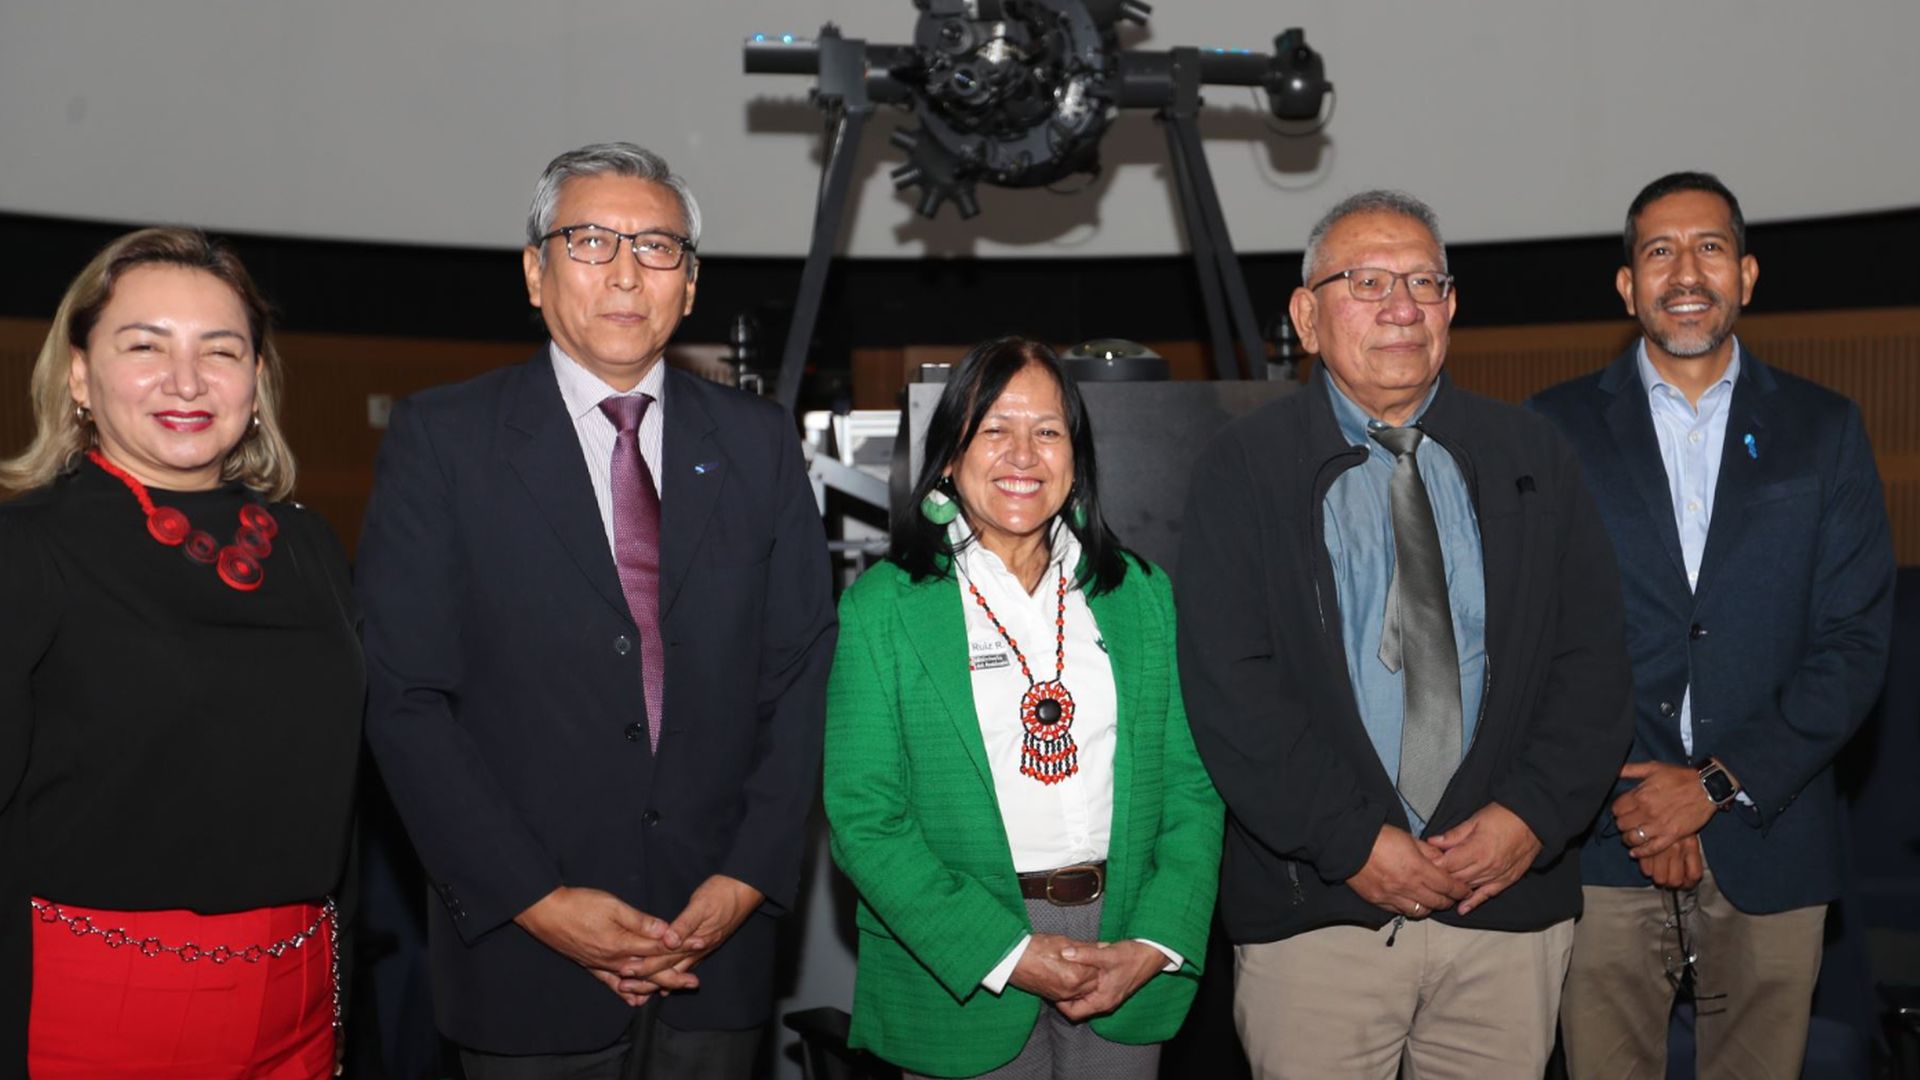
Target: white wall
427,120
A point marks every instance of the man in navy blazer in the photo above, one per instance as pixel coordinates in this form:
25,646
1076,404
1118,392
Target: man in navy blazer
606,877
1758,575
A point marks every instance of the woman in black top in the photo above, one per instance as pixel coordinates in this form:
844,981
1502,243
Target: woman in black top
180,693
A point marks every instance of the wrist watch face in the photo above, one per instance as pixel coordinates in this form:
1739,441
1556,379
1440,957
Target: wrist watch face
1718,784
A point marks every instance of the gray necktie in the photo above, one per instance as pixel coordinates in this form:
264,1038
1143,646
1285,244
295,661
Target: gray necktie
1418,633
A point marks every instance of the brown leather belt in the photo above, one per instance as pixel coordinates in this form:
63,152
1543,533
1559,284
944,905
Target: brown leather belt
1069,886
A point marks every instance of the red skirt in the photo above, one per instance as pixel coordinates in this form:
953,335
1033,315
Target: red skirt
102,1006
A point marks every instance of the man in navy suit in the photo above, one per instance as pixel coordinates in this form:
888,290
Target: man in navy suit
598,630
1758,574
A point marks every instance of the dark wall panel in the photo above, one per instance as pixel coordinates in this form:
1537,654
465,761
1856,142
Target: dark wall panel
474,294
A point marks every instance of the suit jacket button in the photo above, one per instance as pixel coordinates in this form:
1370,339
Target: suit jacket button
1666,708
622,644
1696,632
650,818
635,732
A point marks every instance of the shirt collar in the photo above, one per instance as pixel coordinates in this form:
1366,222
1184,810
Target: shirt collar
1354,421
1650,376
583,391
978,564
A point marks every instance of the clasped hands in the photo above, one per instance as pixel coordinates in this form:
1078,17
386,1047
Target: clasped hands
637,955
1085,979
1660,819
1461,868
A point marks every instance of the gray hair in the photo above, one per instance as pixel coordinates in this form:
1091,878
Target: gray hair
1377,201
606,159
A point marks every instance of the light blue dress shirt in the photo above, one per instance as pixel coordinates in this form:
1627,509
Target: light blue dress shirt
1691,439
1358,530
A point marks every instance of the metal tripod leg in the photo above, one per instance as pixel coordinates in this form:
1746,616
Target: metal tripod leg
1231,281
1200,242
836,178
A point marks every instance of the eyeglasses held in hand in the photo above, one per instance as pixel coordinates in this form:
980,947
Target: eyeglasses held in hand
1681,955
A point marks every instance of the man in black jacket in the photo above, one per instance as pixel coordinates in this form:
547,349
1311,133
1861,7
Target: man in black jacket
598,630
1402,649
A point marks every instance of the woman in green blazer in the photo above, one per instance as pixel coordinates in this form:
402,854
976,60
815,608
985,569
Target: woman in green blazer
1009,777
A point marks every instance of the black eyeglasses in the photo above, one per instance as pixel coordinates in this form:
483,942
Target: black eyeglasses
1371,283
597,245
1680,955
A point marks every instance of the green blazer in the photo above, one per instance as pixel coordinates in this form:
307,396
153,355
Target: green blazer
917,826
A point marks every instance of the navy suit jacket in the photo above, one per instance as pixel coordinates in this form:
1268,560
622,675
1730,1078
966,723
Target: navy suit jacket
504,673
1784,639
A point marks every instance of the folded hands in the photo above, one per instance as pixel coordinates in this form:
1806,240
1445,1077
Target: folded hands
1085,979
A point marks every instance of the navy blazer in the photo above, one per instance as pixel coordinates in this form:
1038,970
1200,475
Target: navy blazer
505,699
1784,640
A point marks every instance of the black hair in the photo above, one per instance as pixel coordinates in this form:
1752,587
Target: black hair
920,546
1674,183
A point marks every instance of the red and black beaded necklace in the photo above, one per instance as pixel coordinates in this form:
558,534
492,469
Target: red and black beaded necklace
1047,752
238,563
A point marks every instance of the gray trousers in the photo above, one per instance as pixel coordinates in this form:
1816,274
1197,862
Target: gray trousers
1058,1048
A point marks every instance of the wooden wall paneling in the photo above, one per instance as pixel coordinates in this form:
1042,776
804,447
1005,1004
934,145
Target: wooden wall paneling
1872,356
20,341
330,378
877,376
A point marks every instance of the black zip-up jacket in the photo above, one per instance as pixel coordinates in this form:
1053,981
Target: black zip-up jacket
1265,677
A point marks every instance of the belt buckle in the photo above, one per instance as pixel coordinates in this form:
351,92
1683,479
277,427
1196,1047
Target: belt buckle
1099,885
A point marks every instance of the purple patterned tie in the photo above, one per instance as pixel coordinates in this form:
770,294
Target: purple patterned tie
636,546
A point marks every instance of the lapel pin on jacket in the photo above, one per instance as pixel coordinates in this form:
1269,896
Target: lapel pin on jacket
706,467
1753,449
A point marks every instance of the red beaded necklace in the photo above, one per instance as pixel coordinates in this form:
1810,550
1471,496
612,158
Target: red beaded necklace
1047,752
238,563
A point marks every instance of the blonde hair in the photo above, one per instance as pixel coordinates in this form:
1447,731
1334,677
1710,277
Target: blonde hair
262,460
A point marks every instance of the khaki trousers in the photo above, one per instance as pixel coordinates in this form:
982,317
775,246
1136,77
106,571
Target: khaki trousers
1441,1002
1619,995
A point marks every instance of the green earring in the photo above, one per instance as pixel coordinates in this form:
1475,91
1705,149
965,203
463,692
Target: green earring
939,509
1077,514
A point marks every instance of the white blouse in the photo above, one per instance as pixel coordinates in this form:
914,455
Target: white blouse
1048,826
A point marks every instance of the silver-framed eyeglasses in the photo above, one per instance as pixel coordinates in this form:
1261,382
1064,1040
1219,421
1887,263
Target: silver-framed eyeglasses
1371,283
597,245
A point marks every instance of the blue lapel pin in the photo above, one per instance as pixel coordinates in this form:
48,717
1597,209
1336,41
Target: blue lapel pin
706,467
1753,451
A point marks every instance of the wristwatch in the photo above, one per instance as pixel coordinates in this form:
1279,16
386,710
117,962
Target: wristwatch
1718,783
